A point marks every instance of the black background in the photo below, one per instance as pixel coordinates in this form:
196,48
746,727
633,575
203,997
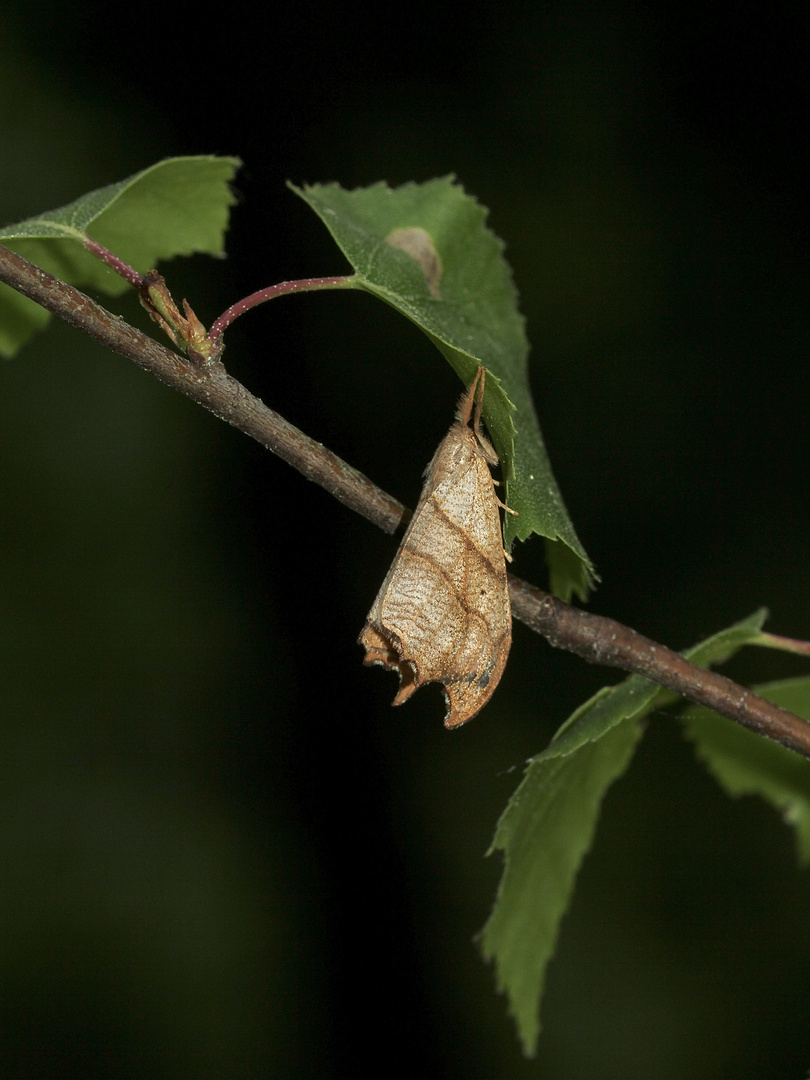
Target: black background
222,853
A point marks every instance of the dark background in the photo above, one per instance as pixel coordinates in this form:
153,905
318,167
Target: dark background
222,854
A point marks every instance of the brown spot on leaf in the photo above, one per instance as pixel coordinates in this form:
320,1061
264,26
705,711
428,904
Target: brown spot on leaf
418,244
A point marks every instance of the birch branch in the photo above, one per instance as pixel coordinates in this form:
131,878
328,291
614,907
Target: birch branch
596,639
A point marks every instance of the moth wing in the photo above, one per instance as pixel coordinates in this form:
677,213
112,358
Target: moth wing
442,613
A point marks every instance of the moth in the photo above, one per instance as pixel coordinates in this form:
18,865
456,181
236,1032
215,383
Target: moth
442,613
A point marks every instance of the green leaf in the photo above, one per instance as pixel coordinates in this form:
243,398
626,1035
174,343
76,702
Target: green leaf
545,832
549,824
744,763
426,250
177,207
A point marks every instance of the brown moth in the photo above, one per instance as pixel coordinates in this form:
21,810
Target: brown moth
442,614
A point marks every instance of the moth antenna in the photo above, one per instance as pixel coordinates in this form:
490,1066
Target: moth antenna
468,400
478,395
476,392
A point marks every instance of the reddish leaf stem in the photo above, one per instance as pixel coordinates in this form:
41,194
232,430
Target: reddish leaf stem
786,644
221,324
113,261
270,293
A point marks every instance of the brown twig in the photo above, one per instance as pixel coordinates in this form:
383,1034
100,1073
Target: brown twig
604,641
593,637
210,386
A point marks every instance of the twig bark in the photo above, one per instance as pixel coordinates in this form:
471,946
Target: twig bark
593,637
210,386
604,641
